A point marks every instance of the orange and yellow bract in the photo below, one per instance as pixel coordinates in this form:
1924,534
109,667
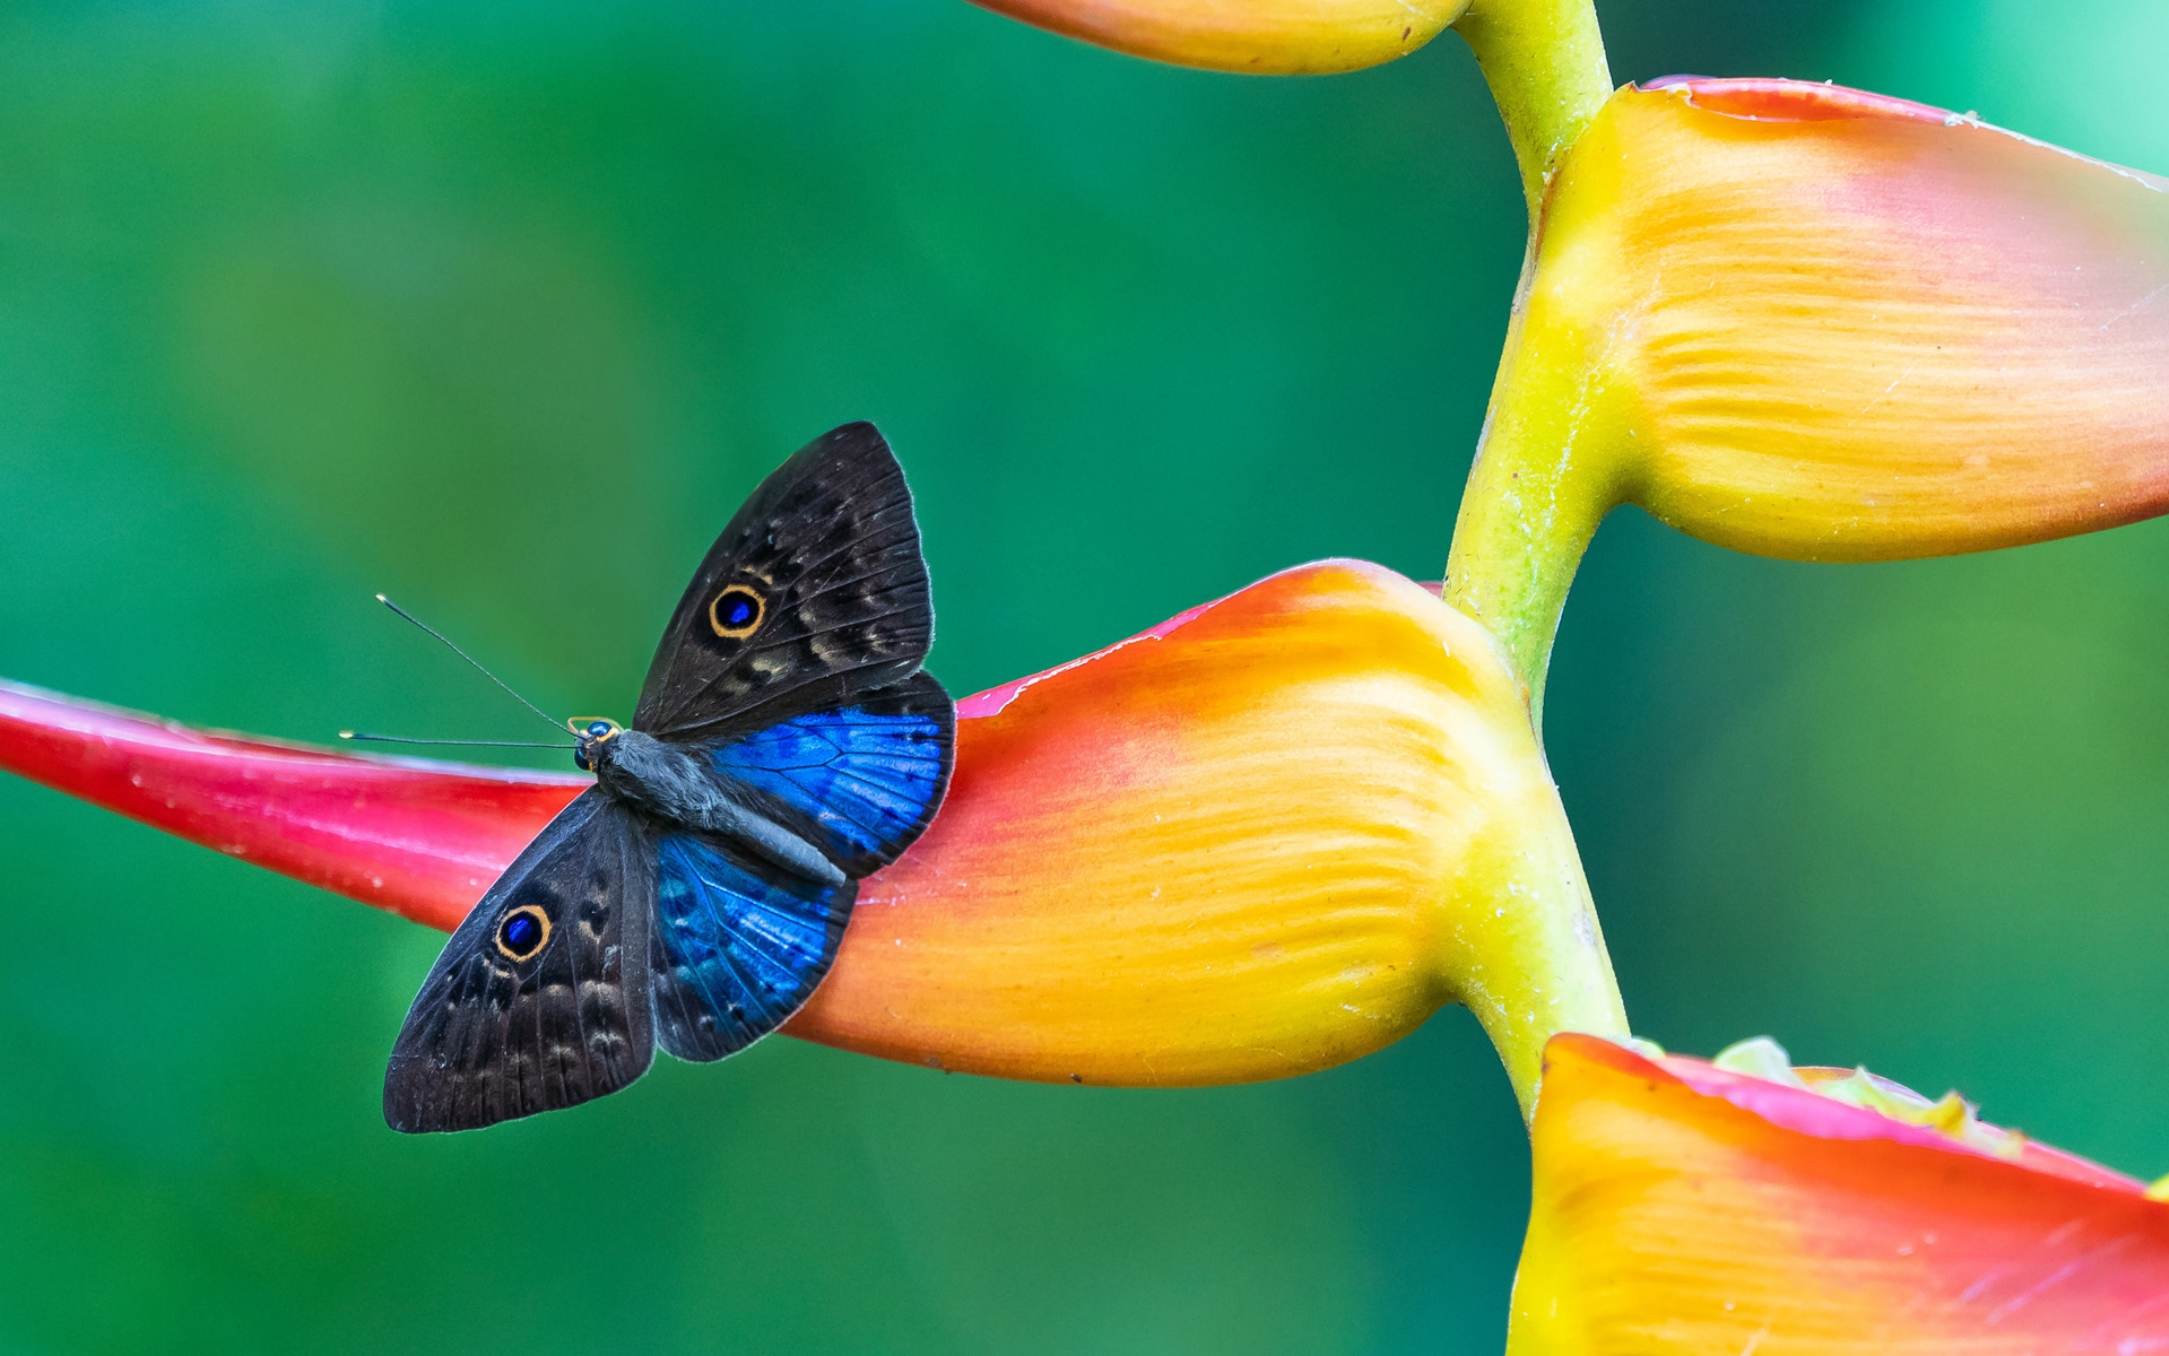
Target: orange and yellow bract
1808,322
1844,327
1271,836
1682,1208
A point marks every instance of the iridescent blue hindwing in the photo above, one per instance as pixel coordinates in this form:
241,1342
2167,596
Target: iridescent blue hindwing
862,780
738,945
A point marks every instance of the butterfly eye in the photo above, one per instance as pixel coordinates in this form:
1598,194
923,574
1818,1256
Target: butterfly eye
597,729
736,612
523,932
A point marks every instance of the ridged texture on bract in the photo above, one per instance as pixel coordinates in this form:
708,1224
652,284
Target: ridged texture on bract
1273,834
1834,326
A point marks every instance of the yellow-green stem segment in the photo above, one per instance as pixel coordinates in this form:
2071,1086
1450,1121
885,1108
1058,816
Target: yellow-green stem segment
1530,960
1544,61
1547,471
1526,517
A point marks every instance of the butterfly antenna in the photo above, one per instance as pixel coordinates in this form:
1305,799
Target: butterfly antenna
409,616
489,743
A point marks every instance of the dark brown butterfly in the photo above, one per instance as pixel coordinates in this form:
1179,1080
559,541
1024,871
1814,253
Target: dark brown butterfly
785,745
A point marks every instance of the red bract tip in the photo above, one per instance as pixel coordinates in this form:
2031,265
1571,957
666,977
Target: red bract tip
420,838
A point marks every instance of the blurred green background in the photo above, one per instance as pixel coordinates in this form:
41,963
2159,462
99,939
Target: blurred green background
501,308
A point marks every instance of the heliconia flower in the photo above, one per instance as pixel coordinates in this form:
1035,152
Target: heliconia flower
1266,37
1809,322
1684,1207
1271,834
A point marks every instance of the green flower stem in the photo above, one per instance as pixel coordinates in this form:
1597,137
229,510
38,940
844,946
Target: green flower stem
1548,468
1529,959
1544,61
1529,511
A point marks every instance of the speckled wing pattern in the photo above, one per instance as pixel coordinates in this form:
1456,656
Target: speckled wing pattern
829,541
490,1038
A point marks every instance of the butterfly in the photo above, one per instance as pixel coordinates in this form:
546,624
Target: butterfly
786,744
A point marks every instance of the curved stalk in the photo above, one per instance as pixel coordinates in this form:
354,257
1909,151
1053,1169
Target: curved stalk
1544,61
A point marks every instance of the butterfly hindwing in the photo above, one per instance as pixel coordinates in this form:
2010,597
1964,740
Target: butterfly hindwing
738,945
816,592
860,782
542,998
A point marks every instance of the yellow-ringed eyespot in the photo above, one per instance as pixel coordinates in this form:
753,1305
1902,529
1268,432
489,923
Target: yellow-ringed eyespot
736,612
523,932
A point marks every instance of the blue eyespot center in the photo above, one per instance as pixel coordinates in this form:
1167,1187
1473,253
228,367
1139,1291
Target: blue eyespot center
597,729
736,612
521,933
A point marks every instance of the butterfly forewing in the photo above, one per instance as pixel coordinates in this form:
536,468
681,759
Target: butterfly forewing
815,592
541,999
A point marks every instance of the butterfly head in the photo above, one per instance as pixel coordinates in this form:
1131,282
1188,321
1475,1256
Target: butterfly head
592,734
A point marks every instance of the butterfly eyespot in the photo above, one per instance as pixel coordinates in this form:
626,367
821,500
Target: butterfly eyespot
597,729
736,612
523,932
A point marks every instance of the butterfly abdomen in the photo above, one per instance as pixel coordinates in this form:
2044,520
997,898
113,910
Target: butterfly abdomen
665,782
